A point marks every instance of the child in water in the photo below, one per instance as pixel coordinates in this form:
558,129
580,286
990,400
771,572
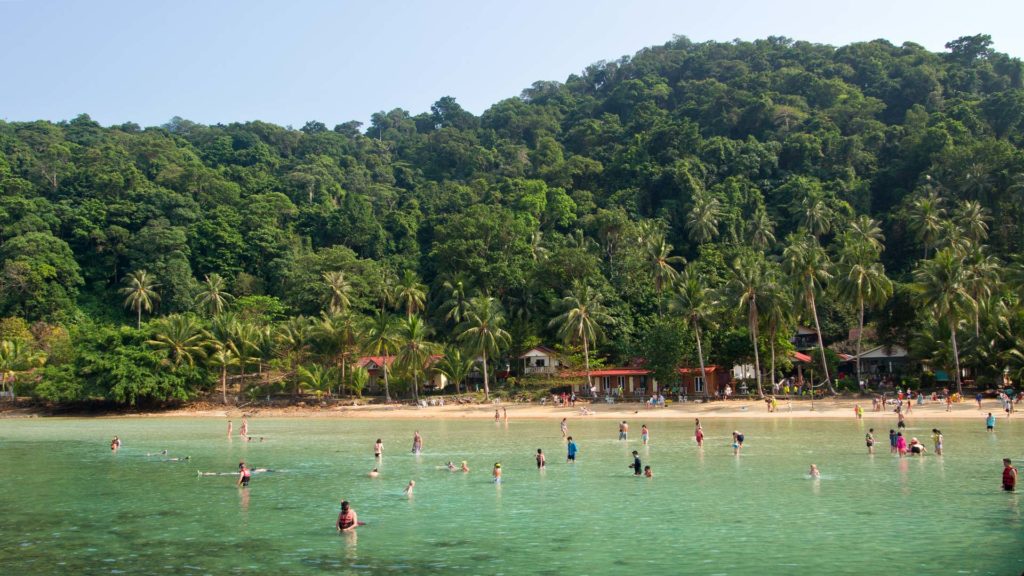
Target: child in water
869,439
496,473
814,472
644,434
541,461
647,472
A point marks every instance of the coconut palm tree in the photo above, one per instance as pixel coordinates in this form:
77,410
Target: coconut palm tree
815,214
927,218
338,290
315,377
411,293
455,366
182,338
973,220
865,230
748,277
140,293
761,229
483,333
213,294
660,262
414,349
221,358
457,301
776,306
15,357
808,264
942,284
696,303
862,280
338,335
357,381
703,217
581,320
380,340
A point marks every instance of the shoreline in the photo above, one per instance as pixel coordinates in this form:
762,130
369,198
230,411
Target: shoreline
831,409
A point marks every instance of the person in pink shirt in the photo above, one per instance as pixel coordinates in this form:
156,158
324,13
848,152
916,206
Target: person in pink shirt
901,444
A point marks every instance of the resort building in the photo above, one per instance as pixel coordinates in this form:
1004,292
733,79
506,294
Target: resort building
540,360
430,379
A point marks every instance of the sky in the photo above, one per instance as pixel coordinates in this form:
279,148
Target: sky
289,62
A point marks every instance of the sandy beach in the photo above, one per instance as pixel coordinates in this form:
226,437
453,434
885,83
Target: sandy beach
842,408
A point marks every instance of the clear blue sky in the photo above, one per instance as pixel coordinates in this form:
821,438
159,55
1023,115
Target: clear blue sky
291,61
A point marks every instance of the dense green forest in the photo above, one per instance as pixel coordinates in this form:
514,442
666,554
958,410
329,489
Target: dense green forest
710,193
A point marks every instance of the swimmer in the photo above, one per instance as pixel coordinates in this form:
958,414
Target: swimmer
645,434
160,453
115,443
347,519
177,459
869,439
374,473
244,475
572,450
409,488
450,466
565,428
378,449
496,473
916,447
464,467
814,472
636,466
647,472
541,460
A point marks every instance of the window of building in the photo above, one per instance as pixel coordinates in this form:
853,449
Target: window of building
698,384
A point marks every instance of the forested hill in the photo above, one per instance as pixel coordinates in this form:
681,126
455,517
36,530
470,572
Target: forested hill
704,151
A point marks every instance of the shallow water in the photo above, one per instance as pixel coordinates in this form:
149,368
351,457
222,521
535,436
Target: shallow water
68,505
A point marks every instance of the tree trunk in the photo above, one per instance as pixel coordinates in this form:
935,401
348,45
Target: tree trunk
415,385
387,390
771,337
138,322
956,355
586,362
224,384
860,335
700,355
821,346
752,319
487,389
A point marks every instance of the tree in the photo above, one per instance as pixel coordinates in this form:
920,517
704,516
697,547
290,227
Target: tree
695,302
864,281
455,366
703,217
140,294
806,262
457,302
316,378
339,334
414,350
483,333
581,320
182,338
411,293
16,357
382,341
221,358
660,263
338,290
212,294
927,216
748,276
941,284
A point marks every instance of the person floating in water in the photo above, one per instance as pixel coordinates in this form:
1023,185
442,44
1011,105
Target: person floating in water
636,466
378,449
374,473
451,466
347,518
623,431
645,434
541,460
409,488
244,475
869,440
814,472
417,442
916,448
1009,476
647,472
496,473
572,450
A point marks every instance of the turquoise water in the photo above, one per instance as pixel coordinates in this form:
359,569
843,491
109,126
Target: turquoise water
68,505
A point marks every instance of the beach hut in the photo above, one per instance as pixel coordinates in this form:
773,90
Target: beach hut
540,360
374,365
692,382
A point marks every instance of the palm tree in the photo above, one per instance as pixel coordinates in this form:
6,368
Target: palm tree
926,219
482,331
357,381
942,284
455,366
181,337
983,277
338,335
776,305
973,220
806,262
761,229
660,263
315,377
411,293
292,341
866,230
815,214
381,341
338,289
221,358
581,321
863,281
696,303
15,357
748,276
140,293
455,305
414,350
702,219
212,294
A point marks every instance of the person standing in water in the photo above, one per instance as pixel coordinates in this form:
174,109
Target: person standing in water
497,416
541,460
645,434
504,414
465,467
636,466
347,518
990,422
814,472
892,441
698,434
737,442
378,449
869,439
647,472
901,422
417,442
409,487
565,428
624,431
115,444
1009,476
244,475
244,430
496,473
572,450
230,428
937,441
901,444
